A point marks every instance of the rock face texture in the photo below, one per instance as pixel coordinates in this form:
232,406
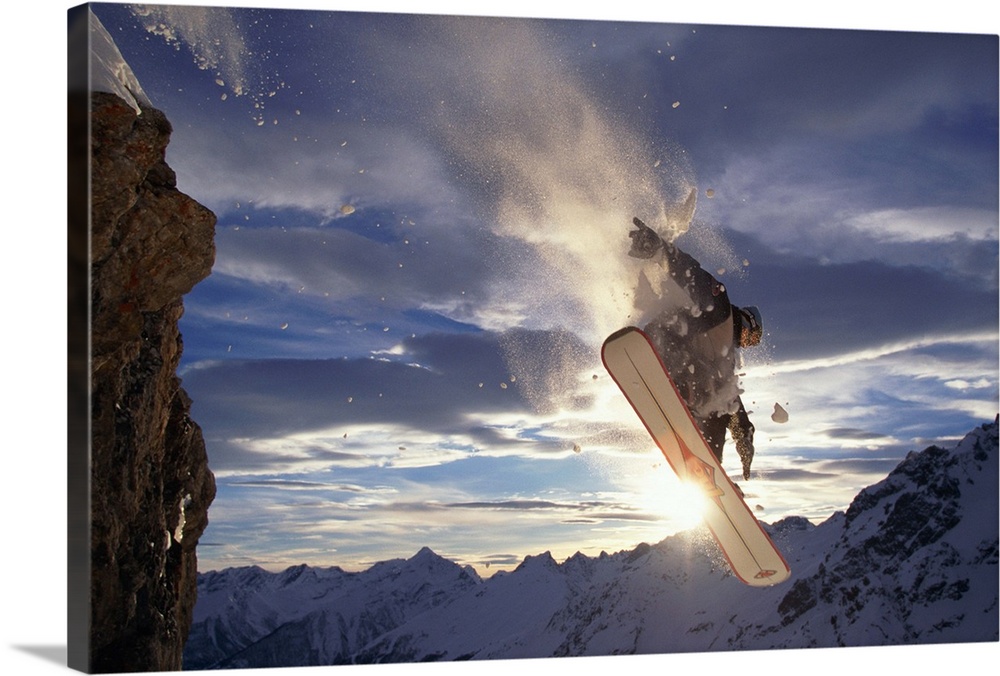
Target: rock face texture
150,482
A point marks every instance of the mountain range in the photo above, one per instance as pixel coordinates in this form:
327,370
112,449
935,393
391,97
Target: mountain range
913,560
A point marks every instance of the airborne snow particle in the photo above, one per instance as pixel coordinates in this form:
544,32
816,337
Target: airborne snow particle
503,386
675,104
710,193
576,448
780,415
284,326
347,209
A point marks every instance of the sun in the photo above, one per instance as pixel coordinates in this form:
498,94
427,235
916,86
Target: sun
664,494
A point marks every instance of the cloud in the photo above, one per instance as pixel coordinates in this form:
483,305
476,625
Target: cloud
843,209
907,348
287,395
284,528
761,87
796,474
871,404
899,165
439,398
871,467
815,310
576,512
336,264
853,433
304,485
928,223
299,163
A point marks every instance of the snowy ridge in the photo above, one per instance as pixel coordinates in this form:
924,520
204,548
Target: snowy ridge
247,616
913,560
108,70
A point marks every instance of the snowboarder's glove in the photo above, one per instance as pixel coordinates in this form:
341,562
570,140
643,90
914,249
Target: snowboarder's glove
645,241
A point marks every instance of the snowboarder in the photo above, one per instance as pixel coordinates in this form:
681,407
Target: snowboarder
696,338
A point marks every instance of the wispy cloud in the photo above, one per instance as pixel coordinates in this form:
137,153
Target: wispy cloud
905,347
929,223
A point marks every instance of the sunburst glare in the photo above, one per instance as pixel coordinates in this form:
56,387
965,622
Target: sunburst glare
665,494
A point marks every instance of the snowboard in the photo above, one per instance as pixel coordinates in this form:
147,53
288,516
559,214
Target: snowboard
632,361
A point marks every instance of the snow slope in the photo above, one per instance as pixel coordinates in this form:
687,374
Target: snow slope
108,70
913,560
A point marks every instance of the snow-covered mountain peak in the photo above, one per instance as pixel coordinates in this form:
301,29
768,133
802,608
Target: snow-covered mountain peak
789,524
427,558
543,561
913,560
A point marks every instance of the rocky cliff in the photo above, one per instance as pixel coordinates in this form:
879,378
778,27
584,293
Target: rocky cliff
150,485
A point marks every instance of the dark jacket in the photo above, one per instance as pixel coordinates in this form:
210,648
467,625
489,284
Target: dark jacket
697,339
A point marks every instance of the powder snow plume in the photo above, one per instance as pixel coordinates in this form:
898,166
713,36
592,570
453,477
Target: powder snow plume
565,178
557,177
219,45
209,33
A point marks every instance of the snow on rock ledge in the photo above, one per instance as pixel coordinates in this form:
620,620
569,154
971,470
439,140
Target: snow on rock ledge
108,70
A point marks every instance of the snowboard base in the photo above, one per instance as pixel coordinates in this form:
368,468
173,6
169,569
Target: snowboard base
632,361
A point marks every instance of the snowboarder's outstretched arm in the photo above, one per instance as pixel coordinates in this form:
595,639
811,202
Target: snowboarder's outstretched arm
704,290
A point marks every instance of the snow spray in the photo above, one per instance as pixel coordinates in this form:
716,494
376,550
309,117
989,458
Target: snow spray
564,177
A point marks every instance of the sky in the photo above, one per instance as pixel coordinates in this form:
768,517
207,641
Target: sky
421,244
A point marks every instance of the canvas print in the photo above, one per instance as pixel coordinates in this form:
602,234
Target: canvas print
412,337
